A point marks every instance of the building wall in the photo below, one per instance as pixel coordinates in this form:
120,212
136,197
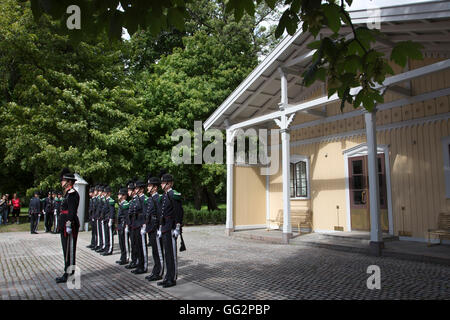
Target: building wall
415,155
249,205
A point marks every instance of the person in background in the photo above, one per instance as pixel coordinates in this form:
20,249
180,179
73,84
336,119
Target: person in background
3,206
34,210
8,207
16,207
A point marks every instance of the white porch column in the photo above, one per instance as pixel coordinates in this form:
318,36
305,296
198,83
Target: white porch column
285,154
285,145
229,226
376,236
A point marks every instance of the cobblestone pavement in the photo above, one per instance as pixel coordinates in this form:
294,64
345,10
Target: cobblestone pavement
247,269
30,263
237,268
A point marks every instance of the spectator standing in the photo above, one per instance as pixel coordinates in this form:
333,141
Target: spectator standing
16,207
8,207
3,211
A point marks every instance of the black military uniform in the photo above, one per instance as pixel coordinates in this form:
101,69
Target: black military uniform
68,224
56,210
171,222
124,238
34,210
101,231
153,216
91,219
129,223
48,210
138,210
95,205
109,216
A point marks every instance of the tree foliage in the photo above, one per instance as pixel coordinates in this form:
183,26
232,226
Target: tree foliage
63,105
108,109
344,63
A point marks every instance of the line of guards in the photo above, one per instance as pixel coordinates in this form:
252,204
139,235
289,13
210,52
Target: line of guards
157,217
48,207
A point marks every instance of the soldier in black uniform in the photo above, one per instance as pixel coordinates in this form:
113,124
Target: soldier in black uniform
101,231
122,218
129,224
68,222
153,216
48,212
92,193
57,210
34,210
95,205
109,216
140,242
171,223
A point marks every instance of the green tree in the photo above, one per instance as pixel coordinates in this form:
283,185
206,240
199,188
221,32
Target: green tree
63,105
217,53
345,63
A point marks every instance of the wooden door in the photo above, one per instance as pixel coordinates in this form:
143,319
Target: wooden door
359,193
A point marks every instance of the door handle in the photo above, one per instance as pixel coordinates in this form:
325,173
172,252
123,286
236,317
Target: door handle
363,197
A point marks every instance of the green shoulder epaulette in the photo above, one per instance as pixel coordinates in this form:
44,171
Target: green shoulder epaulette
176,195
145,199
126,205
111,202
160,198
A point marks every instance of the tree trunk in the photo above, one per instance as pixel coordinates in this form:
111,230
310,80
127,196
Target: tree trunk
210,199
198,198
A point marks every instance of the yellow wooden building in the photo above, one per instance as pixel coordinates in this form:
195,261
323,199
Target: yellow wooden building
386,171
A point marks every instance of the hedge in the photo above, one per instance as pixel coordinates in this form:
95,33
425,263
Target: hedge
203,216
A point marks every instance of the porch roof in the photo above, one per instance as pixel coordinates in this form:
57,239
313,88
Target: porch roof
259,94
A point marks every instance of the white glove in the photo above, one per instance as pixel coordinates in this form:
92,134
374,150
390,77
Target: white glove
110,223
54,212
126,228
143,230
158,233
176,232
68,230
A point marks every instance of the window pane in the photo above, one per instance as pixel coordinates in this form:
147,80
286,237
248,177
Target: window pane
301,179
380,168
357,182
357,166
292,184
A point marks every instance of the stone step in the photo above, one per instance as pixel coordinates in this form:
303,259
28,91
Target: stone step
251,236
364,237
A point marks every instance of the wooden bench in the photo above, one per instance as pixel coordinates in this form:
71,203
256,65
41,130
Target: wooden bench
443,227
298,217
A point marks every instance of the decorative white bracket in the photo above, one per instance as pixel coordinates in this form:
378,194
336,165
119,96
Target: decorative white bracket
284,121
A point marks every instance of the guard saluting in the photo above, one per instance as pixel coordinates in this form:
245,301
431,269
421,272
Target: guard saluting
171,221
68,222
33,211
153,216
122,218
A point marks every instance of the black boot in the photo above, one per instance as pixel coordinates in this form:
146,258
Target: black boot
153,277
62,279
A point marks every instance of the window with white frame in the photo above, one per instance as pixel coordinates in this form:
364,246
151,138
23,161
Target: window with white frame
299,184
446,154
